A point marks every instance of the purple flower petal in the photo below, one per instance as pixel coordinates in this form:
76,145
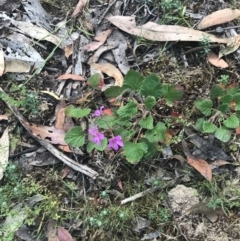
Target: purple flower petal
98,112
115,142
96,136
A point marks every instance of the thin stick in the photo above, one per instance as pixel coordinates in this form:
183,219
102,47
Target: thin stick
68,161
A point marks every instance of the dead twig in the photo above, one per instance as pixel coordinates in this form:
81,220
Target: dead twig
68,161
144,193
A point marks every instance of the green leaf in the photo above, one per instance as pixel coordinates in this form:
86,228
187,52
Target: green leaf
199,124
134,151
236,99
223,108
223,134
231,122
216,91
71,111
171,94
238,114
209,127
204,106
150,102
75,137
133,80
152,148
233,91
156,134
151,86
113,91
91,145
226,99
147,123
95,80
106,122
128,110
127,135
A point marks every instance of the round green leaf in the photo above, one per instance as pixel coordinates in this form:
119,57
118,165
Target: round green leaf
150,102
223,134
75,137
147,123
231,122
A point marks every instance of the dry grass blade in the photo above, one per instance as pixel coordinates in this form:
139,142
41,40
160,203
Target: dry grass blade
219,17
2,65
156,32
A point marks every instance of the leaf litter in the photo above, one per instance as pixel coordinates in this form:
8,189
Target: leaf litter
60,62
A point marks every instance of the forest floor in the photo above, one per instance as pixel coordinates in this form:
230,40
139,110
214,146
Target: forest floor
119,120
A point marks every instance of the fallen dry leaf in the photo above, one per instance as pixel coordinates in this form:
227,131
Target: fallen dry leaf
51,231
3,117
110,70
63,234
60,119
51,94
36,32
155,32
47,133
199,164
16,66
100,38
4,152
231,47
81,4
214,60
68,50
219,17
71,76
2,65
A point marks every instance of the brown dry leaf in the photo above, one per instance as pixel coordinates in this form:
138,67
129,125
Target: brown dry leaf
84,98
110,70
231,47
16,66
218,163
156,32
51,231
199,164
2,65
4,152
64,235
50,134
71,76
65,171
3,117
81,4
219,17
65,148
100,38
179,158
68,50
60,119
214,60
36,32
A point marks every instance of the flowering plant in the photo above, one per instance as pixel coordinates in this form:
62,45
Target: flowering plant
134,128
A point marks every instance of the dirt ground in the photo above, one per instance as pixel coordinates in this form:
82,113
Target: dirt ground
52,191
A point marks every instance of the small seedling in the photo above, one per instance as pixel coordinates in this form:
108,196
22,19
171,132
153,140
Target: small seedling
222,110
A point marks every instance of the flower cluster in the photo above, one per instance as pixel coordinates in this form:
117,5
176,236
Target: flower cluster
96,136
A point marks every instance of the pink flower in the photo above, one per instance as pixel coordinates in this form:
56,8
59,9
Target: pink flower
96,136
98,112
115,142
